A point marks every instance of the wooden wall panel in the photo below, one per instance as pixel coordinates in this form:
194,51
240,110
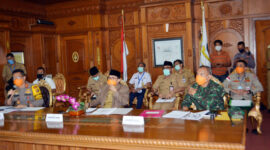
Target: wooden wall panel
4,49
98,24
50,54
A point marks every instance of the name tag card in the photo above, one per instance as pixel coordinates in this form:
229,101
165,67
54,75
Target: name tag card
2,123
133,120
2,116
133,128
55,125
54,118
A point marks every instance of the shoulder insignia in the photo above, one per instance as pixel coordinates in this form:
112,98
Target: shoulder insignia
36,92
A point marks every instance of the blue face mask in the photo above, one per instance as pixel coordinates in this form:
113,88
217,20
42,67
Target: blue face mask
140,69
10,61
177,67
166,72
95,78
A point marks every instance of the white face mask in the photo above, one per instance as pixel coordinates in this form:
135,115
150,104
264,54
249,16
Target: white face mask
218,48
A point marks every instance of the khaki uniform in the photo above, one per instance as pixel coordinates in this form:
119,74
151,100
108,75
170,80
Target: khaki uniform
110,99
95,86
8,69
162,85
248,82
31,94
186,77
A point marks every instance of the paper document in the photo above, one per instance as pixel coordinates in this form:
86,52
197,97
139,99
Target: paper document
176,114
161,100
241,103
32,108
88,110
121,111
104,111
110,111
195,116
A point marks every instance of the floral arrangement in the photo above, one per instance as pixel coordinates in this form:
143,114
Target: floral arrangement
72,100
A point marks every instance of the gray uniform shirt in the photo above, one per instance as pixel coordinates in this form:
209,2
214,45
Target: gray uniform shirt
26,94
248,82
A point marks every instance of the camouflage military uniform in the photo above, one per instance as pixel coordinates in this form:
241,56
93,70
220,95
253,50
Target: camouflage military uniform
95,86
248,82
31,94
208,98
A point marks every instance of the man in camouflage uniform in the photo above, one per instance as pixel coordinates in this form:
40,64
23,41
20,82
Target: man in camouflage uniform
25,94
205,94
241,84
166,86
95,81
184,76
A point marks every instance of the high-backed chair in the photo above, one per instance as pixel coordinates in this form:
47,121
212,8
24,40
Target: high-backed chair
60,83
46,93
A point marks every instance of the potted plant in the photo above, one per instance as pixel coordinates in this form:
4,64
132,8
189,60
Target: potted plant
76,108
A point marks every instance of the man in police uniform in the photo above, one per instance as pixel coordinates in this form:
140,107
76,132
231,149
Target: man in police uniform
25,93
138,84
95,81
205,94
114,94
184,76
166,86
241,84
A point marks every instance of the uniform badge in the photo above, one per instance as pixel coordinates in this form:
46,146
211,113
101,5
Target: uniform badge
28,91
247,79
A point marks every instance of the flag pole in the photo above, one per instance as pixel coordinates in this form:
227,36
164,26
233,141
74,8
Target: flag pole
123,22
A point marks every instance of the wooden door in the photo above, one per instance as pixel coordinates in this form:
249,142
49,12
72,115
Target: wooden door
262,43
76,64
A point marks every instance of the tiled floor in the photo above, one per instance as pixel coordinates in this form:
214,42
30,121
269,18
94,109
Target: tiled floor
260,142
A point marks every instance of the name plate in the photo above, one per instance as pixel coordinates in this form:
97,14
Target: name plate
133,120
2,116
54,118
55,125
2,123
133,128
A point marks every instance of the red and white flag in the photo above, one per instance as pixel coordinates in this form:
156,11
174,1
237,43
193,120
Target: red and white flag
124,52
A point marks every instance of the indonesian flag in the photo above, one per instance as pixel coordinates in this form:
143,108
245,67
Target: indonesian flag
204,55
124,53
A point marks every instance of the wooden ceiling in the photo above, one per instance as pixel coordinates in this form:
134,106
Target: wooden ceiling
46,2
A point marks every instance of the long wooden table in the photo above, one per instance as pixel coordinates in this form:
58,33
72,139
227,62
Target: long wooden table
29,131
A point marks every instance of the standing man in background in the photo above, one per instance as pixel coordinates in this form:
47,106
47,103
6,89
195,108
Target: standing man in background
220,62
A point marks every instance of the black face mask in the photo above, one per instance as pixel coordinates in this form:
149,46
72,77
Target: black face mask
241,50
40,76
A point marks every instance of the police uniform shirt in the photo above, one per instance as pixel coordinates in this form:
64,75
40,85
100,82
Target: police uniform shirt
248,82
31,94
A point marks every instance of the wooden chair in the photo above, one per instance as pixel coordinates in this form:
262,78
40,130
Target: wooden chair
46,92
60,83
145,99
